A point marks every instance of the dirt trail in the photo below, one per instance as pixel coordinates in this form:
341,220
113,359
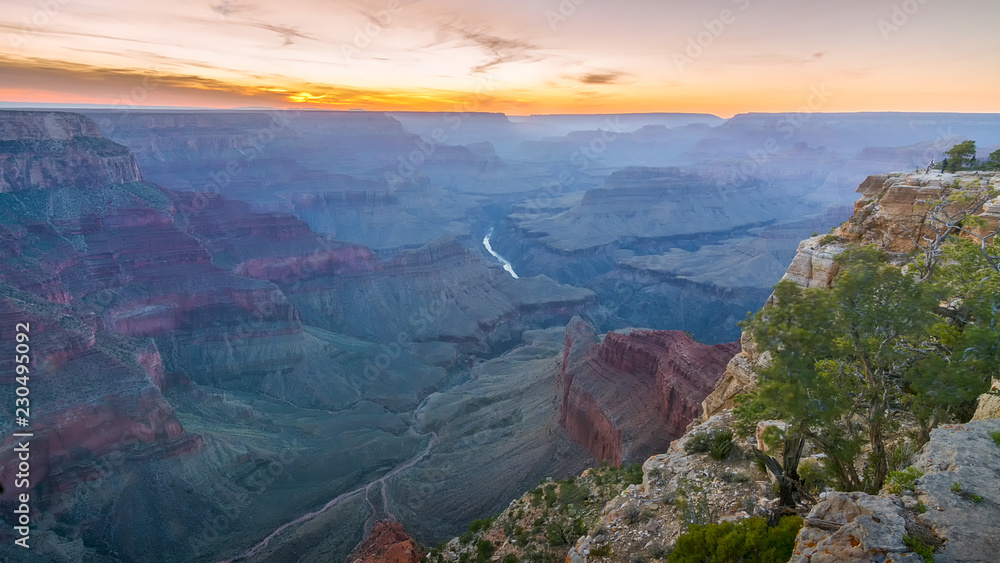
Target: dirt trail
364,488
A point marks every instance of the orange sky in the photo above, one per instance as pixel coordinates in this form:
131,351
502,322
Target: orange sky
518,57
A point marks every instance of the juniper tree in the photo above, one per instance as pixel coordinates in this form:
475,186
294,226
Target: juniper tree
848,362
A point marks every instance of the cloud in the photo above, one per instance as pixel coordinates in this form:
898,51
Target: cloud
285,31
23,77
600,78
499,49
227,7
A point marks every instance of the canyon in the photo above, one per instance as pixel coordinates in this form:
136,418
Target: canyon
241,317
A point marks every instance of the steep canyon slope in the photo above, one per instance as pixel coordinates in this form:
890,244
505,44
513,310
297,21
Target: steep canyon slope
196,362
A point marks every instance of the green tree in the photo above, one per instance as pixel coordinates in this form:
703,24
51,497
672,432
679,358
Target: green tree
846,361
960,154
994,161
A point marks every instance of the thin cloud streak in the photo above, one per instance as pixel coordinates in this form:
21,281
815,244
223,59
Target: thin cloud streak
765,58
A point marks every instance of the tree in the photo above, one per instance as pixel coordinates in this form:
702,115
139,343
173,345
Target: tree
847,361
955,213
960,154
994,161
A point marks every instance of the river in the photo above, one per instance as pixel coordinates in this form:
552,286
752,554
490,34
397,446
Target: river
506,265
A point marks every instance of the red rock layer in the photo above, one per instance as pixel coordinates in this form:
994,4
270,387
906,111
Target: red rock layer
388,542
101,400
630,395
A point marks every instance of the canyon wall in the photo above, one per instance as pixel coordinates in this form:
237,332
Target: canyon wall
633,392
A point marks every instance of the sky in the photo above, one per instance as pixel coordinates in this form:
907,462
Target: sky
519,57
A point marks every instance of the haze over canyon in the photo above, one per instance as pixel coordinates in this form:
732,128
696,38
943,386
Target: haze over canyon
256,333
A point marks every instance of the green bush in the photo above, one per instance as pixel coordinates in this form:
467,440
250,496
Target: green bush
509,558
571,493
484,551
480,525
555,534
749,541
920,548
722,445
700,443
905,480
813,475
603,550
996,437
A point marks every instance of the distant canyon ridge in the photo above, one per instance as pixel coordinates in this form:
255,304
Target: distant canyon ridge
243,320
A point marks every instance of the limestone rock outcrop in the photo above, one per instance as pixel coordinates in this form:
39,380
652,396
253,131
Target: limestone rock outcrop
893,211
854,527
960,487
989,403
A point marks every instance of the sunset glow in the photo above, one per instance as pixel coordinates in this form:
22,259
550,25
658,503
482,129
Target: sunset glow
519,57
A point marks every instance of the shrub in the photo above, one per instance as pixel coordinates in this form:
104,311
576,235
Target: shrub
509,558
698,444
484,550
555,534
901,455
900,481
734,477
632,512
956,487
919,547
692,503
920,508
750,541
722,444
996,437
658,550
603,550
480,525
813,475
571,493
550,495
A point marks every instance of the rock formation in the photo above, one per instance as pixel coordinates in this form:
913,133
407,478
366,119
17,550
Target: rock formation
388,542
632,393
854,527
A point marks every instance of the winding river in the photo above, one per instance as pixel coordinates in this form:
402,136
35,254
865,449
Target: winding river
506,265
